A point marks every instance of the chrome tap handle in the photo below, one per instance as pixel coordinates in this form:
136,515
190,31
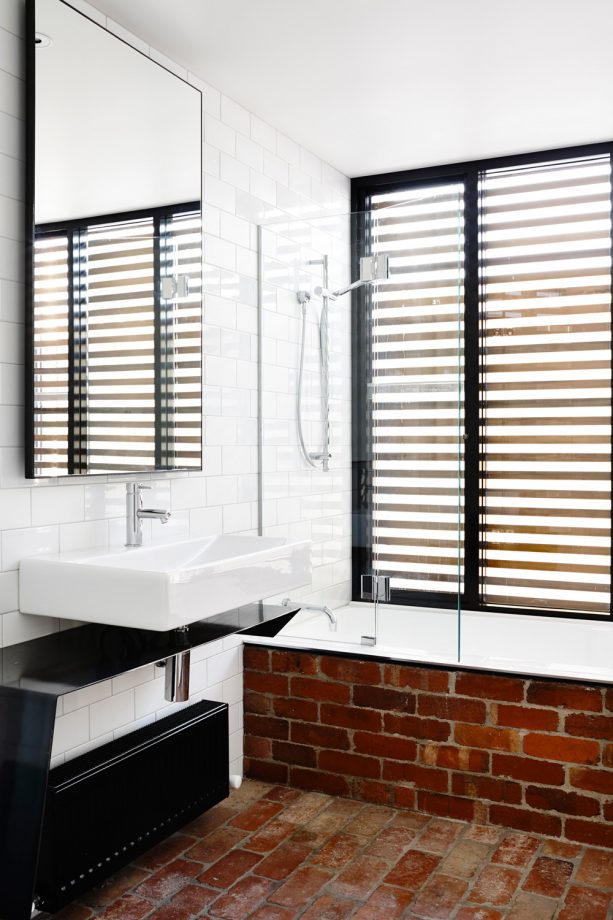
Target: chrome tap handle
140,488
135,488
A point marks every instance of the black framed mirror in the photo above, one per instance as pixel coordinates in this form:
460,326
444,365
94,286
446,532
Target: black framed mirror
113,254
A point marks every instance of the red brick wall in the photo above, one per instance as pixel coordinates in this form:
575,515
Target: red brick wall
530,754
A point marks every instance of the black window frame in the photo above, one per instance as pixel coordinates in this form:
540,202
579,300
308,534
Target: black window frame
362,188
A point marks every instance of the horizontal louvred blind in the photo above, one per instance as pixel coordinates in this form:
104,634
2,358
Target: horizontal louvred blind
99,286
181,352
546,396
50,359
118,346
417,407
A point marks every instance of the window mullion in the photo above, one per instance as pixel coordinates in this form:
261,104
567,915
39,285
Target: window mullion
472,378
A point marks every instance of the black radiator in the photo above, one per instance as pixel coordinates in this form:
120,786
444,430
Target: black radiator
113,803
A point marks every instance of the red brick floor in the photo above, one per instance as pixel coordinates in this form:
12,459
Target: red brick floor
274,853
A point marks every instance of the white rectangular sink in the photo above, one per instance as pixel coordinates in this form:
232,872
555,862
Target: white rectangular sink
162,587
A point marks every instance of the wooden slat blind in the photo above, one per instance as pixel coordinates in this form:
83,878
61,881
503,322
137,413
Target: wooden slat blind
416,411
99,287
546,395
118,357
541,473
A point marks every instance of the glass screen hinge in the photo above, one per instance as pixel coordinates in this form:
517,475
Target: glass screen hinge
375,588
174,286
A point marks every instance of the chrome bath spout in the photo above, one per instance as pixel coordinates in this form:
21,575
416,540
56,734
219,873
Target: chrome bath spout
287,602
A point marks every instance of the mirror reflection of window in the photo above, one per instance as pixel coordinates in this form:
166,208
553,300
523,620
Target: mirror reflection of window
117,344
117,256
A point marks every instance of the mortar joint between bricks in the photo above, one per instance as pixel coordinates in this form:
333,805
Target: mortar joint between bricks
567,783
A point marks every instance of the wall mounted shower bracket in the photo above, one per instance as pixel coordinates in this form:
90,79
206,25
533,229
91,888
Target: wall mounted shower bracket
372,268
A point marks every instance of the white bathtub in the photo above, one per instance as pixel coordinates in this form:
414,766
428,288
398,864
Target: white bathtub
543,646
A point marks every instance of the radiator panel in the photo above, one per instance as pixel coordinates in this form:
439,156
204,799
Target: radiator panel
112,804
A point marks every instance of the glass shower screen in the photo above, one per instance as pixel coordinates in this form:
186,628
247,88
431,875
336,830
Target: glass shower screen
371,365
411,358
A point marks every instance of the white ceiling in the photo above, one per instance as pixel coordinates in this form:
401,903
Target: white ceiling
378,85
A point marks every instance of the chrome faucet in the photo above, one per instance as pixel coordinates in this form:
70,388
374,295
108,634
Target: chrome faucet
287,602
135,513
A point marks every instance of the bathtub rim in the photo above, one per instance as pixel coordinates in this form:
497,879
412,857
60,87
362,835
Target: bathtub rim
374,653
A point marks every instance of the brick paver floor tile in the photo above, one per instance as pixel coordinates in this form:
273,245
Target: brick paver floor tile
271,852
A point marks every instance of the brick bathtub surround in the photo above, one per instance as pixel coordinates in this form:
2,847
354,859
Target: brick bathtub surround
536,755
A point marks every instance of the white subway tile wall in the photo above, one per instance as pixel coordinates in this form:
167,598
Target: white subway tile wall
299,501
251,174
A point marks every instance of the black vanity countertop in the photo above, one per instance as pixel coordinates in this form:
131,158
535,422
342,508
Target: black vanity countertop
75,658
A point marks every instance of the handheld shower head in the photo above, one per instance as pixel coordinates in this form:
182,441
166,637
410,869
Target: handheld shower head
372,268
